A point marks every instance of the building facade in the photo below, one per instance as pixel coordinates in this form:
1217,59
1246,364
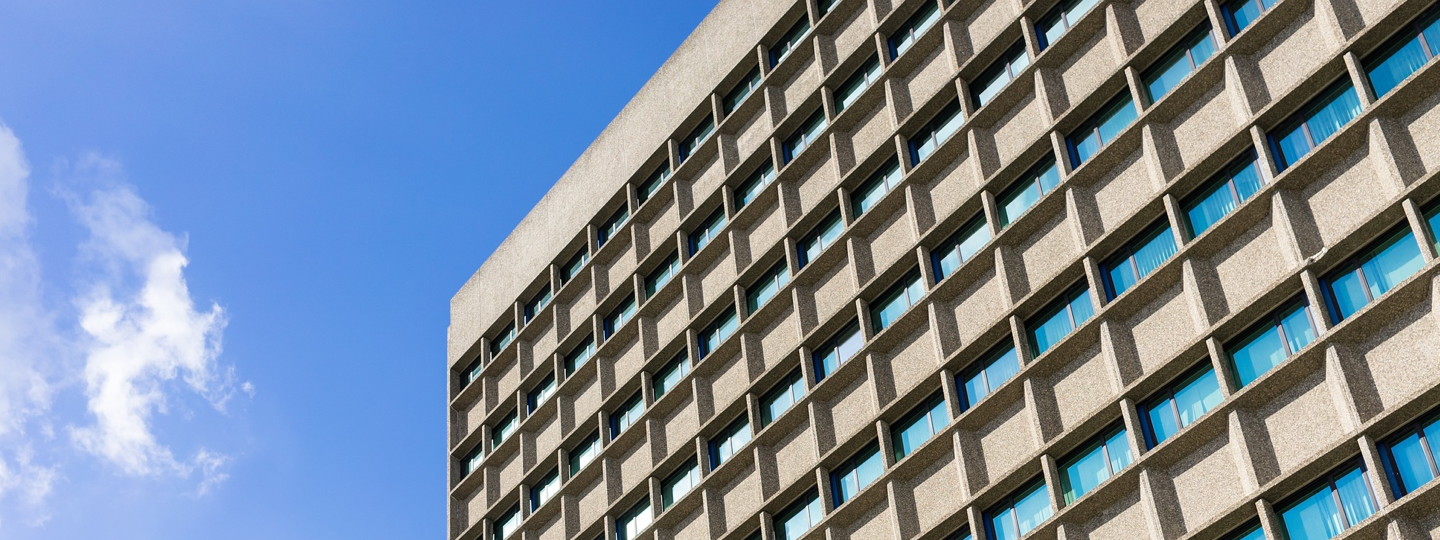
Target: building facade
935,269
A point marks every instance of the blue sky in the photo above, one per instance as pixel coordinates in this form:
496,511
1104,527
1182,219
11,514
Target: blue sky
229,232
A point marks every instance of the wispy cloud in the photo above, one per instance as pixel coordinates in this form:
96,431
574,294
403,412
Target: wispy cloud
126,336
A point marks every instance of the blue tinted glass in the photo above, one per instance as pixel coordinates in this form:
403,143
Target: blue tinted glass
1314,518
1386,74
1247,181
1201,51
948,263
1081,309
913,435
1080,8
1432,34
1049,178
1118,448
1392,265
1003,524
1002,369
1334,115
1084,473
1434,222
1255,534
1052,30
1349,293
1297,329
1198,397
869,469
1162,421
1122,276
1059,325
1018,202
1168,76
867,196
1293,145
988,89
1033,510
1255,358
1411,465
974,241
1244,12
1354,497
1210,208
1085,147
1117,120
1155,252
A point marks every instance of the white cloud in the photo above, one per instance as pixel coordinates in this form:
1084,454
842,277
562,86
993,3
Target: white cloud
126,339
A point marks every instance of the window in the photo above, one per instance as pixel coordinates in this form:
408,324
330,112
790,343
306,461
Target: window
1060,319
999,74
612,226
662,274
1102,128
1240,13
634,521
767,287
1098,461
1338,503
717,331
905,36
1410,456
851,89
1315,123
503,429
785,395
897,300
1179,405
791,40
1405,54
1020,513
1179,62
1224,194
752,186
541,393
692,142
584,453
709,229
472,460
472,372
651,185
962,534
1251,531
671,374
544,490
537,303
960,247
856,473
820,238
939,130
1060,19
982,379
619,316
825,5
919,426
572,267
869,193
579,355
729,441
803,515
628,414
1138,259
1278,337
679,483
837,350
1373,272
742,90
507,524
502,339
808,132
1026,192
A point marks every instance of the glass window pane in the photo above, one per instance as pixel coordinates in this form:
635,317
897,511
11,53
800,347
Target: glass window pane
1002,369
1052,30
1118,447
1244,12
1155,252
1033,510
1293,145
869,469
1432,34
1211,207
1080,8
973,241
1410,462
1314,518
1334,115
1018,202
1168,76
1247,181
1198,397
1354,497
867,196
1393,264
1387,73
1119,119
1122,276
1203,49
1084,473
1081,309
1003,524
1162,420
1349,293
1085,146
1255,358
1297,329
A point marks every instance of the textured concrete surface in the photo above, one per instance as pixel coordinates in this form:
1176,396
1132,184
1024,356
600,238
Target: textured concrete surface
1363,379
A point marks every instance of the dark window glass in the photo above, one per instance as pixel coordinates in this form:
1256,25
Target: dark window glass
1224,194
671,374
628,414
1103,128
1026,192
634,521
1181,61
1374,272
572,267
837,350
621,315
662,274
939,130
504,428
541,299
507,525
579,355
472,460
999,74
502,338
1137,260
544,489
905,36
1279,336
584,453
612,226
541,393
820,238
1240,13
1314,123
709,229
729,441
767,286
651,185
679,483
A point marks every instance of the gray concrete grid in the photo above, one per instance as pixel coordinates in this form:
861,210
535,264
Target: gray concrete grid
1361,380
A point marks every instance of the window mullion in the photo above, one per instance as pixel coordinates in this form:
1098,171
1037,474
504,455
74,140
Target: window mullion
1364,282
1175,408
1284,339
1339,505
1429,452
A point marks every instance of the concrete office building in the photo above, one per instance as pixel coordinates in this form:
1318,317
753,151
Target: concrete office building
1077,269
